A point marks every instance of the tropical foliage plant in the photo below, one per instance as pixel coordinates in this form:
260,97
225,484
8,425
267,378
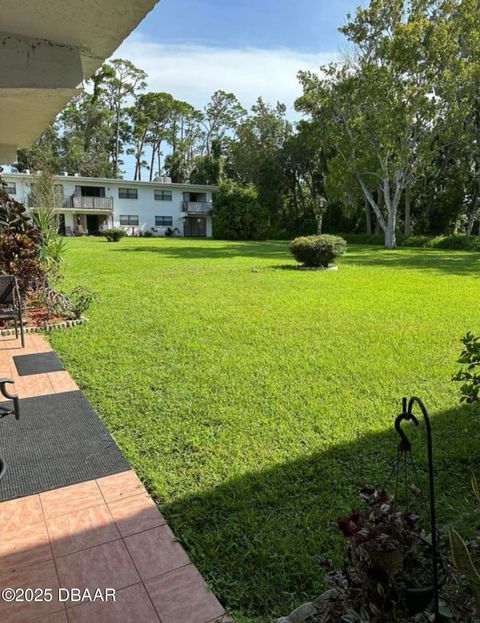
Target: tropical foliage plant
469,373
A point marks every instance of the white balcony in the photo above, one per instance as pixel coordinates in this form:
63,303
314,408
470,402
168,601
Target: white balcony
196,207
89,203
98,205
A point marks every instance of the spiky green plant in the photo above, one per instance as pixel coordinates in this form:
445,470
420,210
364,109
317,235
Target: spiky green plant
461,556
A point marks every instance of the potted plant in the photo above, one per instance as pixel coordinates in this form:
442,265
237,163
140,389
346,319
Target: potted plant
388,541
386,573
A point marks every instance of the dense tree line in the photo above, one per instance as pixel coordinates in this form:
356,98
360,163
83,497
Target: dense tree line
389,139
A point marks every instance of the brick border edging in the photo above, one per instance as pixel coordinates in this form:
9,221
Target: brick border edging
65,324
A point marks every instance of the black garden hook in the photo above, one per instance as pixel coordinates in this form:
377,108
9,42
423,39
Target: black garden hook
405,447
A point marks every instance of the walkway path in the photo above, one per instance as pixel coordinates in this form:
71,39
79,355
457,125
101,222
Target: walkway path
98,534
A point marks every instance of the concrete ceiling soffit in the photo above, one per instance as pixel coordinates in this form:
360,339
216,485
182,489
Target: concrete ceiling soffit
28,63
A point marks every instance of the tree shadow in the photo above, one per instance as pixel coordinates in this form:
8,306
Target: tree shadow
439,260
443,261
257,537
287,267
227,250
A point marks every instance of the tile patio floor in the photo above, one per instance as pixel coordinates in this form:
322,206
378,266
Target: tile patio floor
104,533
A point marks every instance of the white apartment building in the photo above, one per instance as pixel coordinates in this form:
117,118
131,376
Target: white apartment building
93,204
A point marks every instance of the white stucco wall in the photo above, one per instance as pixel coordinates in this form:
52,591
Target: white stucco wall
146,207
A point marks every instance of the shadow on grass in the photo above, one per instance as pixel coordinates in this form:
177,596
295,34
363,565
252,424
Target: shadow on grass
257,538
287,267
449,261
229,250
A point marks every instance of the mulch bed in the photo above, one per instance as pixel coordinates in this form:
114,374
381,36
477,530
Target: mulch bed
39,318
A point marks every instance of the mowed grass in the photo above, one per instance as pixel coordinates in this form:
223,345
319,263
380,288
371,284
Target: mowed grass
250,398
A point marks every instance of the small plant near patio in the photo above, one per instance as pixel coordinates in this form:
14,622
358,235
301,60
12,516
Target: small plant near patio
31,249
19,256
464,557
386,565
114,234
469,373
48,201
20,241
70,306
317,251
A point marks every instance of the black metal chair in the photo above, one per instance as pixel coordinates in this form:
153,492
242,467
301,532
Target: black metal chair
11,303
6,410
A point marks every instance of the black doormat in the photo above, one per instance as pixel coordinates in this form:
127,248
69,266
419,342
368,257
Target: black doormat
38,363
59,440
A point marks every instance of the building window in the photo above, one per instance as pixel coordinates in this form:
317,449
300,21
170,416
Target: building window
162,195
128,219
59,189
11,188
127,193
163,221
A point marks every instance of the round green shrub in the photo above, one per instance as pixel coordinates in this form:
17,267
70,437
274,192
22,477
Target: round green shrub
114,234
147,234
316,251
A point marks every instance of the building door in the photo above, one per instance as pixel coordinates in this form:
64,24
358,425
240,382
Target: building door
195,227
92,224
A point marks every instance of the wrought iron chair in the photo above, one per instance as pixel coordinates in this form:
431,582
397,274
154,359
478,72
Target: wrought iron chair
11,303
4,411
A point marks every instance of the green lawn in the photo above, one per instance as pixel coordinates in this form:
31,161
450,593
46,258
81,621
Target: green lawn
250,398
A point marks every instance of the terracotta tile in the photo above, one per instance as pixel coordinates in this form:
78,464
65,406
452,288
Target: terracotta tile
43,576
136,514
58,617
21,512
182,595
103,566
37,342
13,345
72,498
26,545
120,486
33,385
156,551
5,362
5,373
81,529
132,605
62,381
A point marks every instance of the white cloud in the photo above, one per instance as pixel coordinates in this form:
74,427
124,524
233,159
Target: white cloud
193,72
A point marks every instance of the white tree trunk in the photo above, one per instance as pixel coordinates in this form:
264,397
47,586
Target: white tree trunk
392,207
387,226
375,207
407,213
390,235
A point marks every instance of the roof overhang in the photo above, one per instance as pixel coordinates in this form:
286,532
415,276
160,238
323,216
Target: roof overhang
48,50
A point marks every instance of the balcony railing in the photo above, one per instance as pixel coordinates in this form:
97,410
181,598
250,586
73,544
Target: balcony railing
196,207
80,203
77,202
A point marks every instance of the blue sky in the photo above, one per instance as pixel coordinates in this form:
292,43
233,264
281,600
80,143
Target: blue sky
304,25
191,48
